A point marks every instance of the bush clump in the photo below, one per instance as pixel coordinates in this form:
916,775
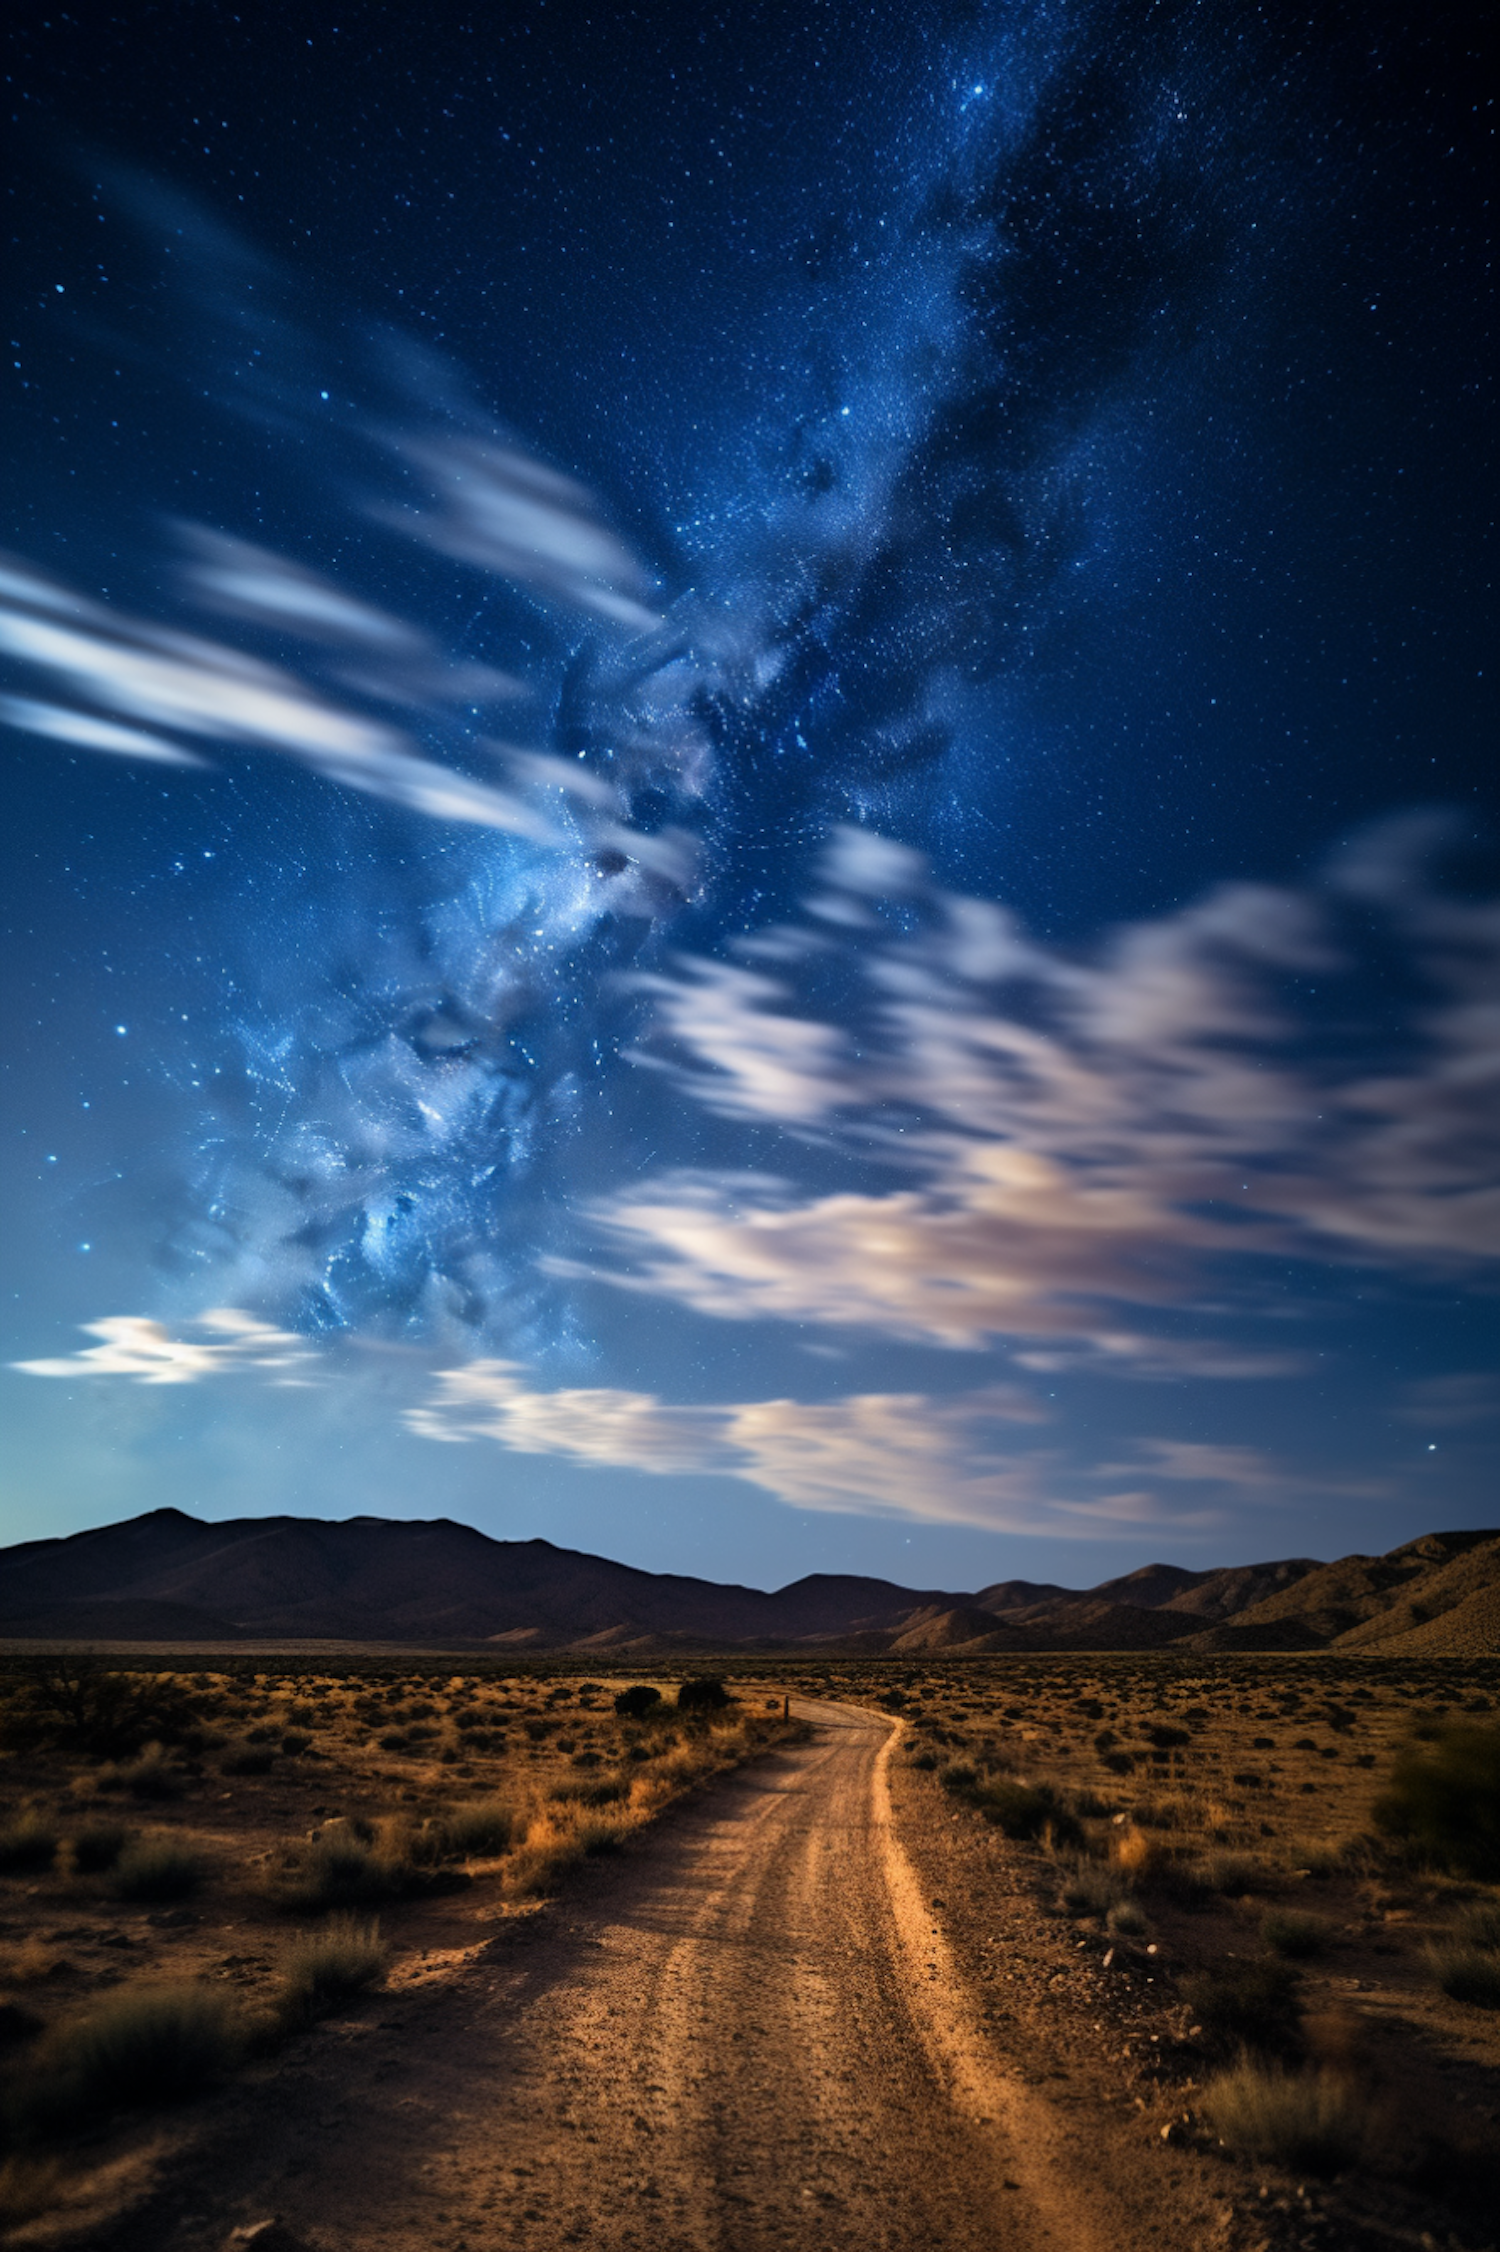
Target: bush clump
1248,2005
1466,1973
1026,1810
157,1870
26,1844
1443,1801
152,1776
98,1846
478,1832
636,1703
77,1704
325,1968
255,1761
341,1868
1294,1934
139,2048
1314,2121
703,1695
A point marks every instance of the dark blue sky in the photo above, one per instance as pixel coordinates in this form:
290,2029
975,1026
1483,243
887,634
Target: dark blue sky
751,797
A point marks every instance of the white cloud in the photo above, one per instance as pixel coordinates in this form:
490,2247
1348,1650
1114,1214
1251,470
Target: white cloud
1246,1472
147,1352
507,513
150,685
909,1455
1080,1132
1450,1403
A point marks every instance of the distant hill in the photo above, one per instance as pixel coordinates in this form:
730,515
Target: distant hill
168,1577
1368,1602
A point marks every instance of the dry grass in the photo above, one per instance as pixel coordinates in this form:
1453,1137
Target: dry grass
1466,1973
138,2049
1314,2121
444,1799
158,1870
1294,1934
325,1968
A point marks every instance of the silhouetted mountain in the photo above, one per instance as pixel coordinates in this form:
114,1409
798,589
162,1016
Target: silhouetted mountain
168,1577
375,1579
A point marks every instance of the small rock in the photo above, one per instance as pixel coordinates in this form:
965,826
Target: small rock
1171,2132
265,2236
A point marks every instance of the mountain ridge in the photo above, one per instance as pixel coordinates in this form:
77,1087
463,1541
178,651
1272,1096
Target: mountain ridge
168,1576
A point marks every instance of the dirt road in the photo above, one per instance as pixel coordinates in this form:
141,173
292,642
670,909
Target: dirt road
745,2035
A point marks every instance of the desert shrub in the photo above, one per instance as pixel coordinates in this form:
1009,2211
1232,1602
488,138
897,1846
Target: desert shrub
138,2048
1479,1926
341,1868
600,1790
152,1776
703,1695
98,1846
1313,2121
76,1704
636,1703
1128,1920
479,1831
1231,1873
1323,1861
294,1743
1443,1801
256,1762
158,1870
1466,1973
959,1775
1250,2005
1089,1890
1026,1810
327,1967
925,1759
1133,1853
556,1841
1294,1934
27,1843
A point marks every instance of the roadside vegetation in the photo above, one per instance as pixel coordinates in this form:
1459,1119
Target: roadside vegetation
1272,1884
196,1866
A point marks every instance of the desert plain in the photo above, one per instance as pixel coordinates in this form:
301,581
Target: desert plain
391,1950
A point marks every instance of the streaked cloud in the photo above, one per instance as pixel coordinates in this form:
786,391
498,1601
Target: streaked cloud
227,1341
1450,1403
912,1455
1143,1125
502,510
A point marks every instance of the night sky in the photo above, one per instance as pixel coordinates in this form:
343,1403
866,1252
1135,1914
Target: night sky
750,779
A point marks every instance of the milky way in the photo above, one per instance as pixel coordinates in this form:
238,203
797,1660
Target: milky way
504,724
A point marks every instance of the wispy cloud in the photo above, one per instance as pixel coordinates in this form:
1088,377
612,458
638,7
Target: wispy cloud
227,1342
1450,1403
1141,1125
909,1455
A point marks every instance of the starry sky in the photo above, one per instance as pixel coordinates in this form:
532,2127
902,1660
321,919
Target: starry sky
751,799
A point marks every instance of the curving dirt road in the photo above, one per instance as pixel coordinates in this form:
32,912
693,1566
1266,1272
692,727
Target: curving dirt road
747,2035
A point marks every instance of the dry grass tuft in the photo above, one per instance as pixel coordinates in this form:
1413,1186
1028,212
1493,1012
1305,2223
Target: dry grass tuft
1317,2121
325,1968
1294,1934
1466,1974
138,2049
158,1870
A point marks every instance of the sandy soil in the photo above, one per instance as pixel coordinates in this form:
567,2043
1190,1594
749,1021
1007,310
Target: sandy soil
748,2032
